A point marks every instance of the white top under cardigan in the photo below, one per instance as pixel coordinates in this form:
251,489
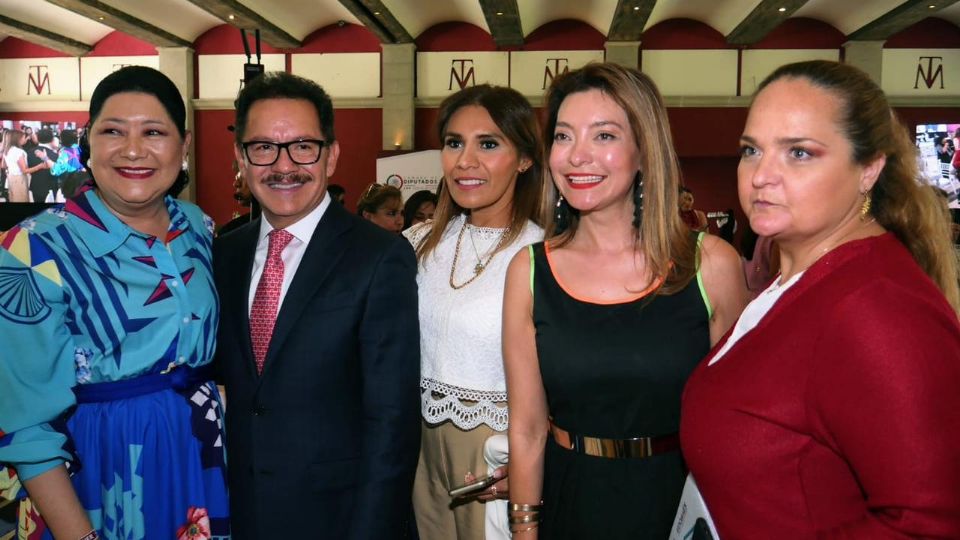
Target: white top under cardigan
461,359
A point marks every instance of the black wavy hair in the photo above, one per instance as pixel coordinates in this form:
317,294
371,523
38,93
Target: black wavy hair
142,80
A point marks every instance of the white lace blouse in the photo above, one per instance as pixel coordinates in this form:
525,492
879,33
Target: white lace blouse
461,361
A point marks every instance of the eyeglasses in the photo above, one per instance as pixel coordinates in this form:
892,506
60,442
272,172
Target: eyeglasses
301,151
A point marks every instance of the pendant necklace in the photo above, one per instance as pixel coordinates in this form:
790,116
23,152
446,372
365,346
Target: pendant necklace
481,265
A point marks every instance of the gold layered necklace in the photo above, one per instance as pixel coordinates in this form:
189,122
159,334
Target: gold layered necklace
481,264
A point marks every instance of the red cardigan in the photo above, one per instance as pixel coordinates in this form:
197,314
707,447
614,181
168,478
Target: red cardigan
838,416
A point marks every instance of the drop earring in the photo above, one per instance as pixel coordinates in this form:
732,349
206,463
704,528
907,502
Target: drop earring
638,200
561,215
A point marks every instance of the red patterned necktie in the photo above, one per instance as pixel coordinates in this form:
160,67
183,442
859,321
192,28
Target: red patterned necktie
263,313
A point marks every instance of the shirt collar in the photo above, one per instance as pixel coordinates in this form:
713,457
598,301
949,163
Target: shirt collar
103,232
301,230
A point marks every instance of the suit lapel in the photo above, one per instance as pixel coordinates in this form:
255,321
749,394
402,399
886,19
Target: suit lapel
246,248
324,250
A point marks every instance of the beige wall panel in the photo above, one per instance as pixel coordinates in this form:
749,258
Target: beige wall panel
443,73
921,72
532,71
692,73
39,79
220,74
93,69
758,63
341,74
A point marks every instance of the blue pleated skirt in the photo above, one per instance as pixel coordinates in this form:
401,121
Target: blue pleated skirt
152,466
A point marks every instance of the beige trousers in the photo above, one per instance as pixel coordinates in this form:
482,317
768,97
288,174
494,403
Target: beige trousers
17,188
447,453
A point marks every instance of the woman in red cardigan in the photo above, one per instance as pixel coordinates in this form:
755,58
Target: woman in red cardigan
832,409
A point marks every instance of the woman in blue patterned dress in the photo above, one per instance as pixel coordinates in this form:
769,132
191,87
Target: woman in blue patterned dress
108,319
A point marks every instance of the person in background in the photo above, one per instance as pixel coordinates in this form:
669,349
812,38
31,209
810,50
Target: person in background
15,162
43,185
490,207
604,321
30,140
69,171
108,413
337,193
695,219
241,194
382,205
843,374
761,261
419,208
319,342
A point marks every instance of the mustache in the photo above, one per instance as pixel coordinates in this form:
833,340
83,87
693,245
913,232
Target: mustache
288,178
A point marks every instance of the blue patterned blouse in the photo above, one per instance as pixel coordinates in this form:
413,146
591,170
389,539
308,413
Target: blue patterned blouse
86,299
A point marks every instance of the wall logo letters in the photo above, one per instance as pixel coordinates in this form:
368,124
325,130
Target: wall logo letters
461,72
929,75
37,79
559,65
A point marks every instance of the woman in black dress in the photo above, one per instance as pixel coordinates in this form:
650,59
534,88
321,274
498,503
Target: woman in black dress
605,320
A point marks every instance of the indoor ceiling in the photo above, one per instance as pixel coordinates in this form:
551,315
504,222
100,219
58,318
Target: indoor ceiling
74,26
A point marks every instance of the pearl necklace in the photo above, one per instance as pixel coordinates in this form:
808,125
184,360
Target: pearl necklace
481,265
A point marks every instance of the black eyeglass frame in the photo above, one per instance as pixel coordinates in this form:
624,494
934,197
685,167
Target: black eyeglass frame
283,146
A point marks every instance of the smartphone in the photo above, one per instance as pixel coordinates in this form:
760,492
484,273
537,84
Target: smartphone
477,485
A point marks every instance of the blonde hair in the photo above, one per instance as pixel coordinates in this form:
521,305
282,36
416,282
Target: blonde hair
910,210
11,138
662,239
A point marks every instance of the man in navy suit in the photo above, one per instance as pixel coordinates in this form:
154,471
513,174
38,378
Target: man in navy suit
322,399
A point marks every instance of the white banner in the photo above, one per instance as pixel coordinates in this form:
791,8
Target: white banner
39,79
692,73
921,72
94,69
440,74
411,172
221,74
531,72
758,63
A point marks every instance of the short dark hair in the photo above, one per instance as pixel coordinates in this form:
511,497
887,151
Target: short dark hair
413,204
335,190
45,136
68,137
282,85
139,80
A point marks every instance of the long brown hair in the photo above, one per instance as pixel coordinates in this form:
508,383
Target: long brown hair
662,239
514,116
903,206
11,138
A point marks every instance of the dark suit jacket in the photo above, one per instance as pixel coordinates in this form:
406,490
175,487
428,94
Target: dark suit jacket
324,444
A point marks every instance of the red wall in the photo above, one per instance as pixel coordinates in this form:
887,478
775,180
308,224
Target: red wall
358,131
12,47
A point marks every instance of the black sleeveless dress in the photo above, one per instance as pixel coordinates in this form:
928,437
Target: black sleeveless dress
614,371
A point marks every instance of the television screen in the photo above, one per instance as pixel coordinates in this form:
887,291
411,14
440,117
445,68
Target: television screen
938,144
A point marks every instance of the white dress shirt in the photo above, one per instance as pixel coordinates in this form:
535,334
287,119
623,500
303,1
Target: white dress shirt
302,231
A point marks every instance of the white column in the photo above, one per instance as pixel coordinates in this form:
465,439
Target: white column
177,63
624,53
398,108
866,55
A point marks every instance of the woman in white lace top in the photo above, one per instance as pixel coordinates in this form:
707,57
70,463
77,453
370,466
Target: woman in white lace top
489,208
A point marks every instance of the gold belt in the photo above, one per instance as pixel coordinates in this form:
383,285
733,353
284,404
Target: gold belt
640,447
